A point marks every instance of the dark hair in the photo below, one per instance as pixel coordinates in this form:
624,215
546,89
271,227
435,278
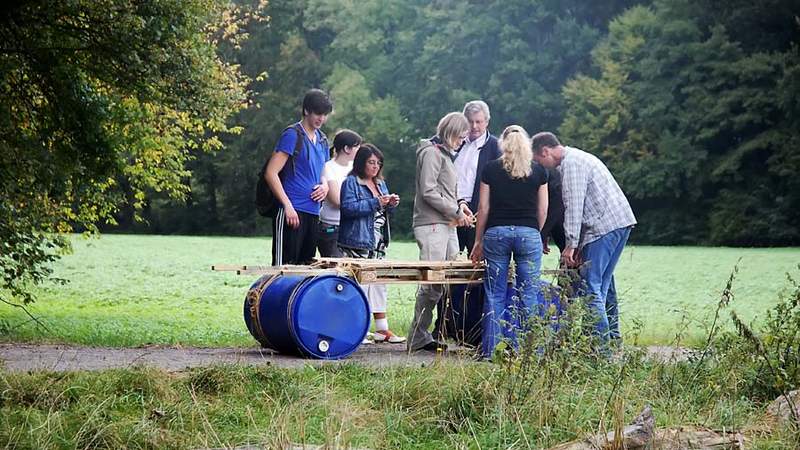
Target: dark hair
543,139
346,138
360,163
318,102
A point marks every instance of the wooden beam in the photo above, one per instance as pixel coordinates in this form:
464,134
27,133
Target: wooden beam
226,267
433,275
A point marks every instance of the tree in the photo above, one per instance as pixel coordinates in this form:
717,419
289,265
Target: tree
695,121
101,102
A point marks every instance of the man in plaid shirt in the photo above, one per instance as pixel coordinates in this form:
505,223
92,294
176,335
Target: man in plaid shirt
597,222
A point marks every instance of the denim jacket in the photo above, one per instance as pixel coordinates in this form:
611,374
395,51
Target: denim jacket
358,207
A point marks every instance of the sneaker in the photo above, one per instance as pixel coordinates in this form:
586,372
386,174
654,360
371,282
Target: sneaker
388,336
366,341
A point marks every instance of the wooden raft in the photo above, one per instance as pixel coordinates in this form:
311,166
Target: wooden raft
366,271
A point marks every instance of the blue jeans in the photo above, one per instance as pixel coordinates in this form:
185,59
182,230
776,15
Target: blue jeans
500,243
600,258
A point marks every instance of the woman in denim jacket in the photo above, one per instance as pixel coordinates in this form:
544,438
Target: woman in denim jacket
365,204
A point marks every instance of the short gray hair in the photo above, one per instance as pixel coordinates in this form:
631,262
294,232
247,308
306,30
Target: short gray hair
477,106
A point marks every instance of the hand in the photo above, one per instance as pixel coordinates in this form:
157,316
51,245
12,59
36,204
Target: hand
463,221
469,215
477,253
320,192
292,219
568,258
384,200
545,248
394,200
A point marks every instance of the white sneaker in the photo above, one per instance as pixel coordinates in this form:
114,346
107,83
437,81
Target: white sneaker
388,336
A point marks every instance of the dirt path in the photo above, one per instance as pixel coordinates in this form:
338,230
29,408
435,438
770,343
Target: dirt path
25,357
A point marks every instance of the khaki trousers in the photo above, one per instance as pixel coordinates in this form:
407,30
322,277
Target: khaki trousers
437,242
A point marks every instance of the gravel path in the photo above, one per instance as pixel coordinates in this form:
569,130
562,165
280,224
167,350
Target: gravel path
25,357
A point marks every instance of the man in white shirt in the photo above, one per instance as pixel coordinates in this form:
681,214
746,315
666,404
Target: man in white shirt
479,148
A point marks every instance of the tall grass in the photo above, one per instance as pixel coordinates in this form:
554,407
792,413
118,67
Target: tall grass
464,405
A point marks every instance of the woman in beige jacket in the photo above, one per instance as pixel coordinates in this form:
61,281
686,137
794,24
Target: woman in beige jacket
437,213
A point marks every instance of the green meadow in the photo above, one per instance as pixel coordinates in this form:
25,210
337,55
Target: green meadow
130,290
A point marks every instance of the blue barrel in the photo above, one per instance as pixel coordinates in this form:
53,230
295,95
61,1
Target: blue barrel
323,317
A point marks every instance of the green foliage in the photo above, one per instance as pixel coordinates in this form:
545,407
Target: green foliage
102,102
393,68
692,114
767,355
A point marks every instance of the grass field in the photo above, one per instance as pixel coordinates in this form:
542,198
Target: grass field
134,290
129,290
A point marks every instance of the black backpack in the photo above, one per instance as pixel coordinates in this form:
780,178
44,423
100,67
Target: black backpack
266,203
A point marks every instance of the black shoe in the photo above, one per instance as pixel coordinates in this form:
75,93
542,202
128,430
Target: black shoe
433,347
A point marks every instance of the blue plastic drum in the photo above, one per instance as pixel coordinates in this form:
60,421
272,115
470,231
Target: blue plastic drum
324,317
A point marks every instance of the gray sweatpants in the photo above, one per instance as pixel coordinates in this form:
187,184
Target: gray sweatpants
437,242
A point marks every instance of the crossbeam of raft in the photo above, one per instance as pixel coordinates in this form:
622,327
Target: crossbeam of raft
367,271
379,271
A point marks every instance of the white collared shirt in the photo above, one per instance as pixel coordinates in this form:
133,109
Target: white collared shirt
467,166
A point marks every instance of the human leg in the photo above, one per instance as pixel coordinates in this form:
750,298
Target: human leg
620,239
527,252
287,242
434,245
497,248
308,237
327,240
601,258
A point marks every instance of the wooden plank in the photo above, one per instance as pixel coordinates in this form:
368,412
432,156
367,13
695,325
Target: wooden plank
366,276
433,275
279,271
368,271
386,263
226,267
448,281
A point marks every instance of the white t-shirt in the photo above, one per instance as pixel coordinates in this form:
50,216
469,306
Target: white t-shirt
467,166
333,171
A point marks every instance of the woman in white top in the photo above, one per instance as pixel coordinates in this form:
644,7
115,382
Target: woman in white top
345,145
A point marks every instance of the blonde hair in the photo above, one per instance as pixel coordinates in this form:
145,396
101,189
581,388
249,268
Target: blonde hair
453,125
517,153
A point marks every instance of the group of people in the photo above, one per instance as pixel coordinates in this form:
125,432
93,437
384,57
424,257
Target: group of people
339,205
496,199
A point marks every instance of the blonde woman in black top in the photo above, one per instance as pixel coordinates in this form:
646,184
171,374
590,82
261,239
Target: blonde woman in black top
513,208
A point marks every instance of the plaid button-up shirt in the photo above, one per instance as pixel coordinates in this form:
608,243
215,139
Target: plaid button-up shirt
594,204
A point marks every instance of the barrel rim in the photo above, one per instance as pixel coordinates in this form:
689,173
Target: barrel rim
292,306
